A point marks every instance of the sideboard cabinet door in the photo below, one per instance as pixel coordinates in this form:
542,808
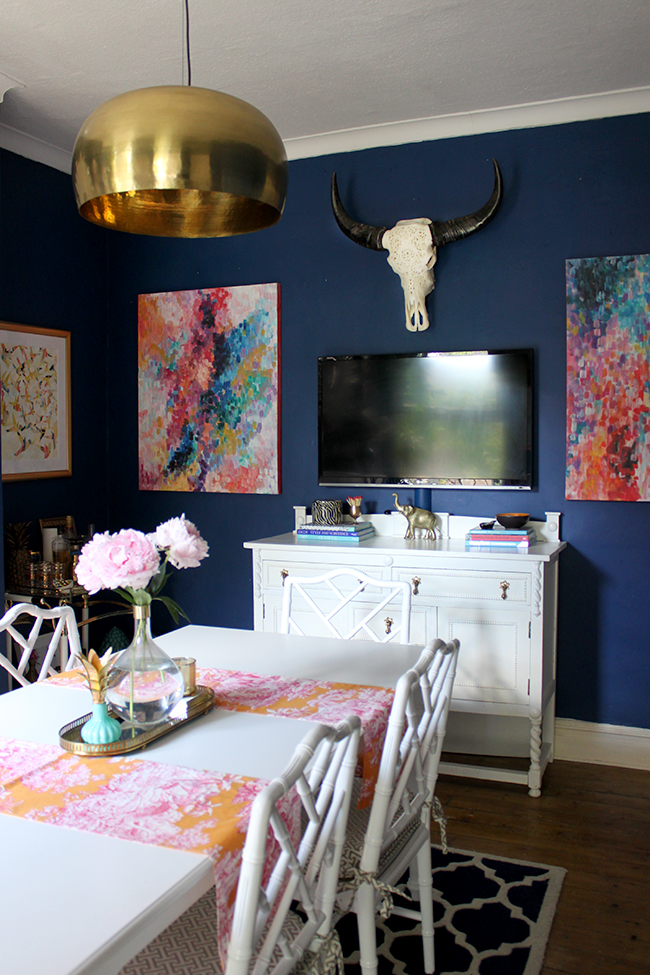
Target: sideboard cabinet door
495,652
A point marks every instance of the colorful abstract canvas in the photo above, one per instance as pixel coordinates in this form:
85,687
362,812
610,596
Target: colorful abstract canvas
35,402
209,372
608,379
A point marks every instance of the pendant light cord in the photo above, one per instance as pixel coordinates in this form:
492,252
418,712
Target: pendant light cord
187,42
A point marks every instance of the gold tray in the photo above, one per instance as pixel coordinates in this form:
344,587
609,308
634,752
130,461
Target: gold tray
133,738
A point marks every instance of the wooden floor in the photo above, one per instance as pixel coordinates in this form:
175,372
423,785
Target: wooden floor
594,821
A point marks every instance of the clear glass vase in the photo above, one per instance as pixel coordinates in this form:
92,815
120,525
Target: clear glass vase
144,684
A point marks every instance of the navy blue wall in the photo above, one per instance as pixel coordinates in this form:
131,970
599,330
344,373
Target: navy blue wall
569,191
53,275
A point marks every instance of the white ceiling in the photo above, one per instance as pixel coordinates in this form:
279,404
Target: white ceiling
331,74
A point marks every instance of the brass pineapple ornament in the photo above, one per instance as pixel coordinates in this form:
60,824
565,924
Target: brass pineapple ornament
17,536
96,673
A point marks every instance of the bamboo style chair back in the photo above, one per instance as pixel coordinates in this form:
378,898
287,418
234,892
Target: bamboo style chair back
347,602
397,834
65,637
269,936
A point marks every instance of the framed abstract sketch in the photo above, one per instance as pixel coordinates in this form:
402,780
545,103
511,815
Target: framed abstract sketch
608,378
35,390
209,390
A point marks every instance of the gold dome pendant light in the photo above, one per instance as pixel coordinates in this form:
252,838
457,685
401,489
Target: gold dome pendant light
178,161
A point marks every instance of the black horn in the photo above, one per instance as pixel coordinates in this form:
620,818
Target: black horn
445,231
360,233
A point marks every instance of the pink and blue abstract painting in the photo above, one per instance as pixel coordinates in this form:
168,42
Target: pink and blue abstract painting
209,387
608,378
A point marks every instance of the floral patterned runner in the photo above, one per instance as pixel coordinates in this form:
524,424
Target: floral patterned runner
130,798
311,700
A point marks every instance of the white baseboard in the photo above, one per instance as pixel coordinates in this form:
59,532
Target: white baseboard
602,744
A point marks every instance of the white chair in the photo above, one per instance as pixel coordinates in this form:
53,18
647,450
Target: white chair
65,637
348,604
267,936
395,834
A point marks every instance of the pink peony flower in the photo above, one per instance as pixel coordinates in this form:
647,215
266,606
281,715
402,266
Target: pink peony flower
128,558
181,541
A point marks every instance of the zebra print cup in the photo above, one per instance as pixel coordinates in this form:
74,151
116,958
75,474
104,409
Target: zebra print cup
327,512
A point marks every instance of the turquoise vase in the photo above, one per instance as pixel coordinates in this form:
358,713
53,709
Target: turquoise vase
101,729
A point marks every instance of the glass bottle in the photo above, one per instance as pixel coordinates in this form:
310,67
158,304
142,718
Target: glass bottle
144,684
35,564
61,556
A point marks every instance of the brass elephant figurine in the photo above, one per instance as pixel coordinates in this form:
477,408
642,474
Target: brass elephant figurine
417,518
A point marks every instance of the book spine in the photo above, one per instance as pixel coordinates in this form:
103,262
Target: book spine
521,545
497,538
342,539
502,532
325,531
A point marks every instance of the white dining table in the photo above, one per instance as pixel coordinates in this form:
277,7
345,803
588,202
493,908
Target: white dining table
77,903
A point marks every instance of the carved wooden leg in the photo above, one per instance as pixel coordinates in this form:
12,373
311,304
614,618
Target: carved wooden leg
535,770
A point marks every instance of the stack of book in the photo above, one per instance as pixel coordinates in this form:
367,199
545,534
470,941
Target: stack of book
338,533
499,537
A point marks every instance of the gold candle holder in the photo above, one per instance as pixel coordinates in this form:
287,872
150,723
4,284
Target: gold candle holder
187,667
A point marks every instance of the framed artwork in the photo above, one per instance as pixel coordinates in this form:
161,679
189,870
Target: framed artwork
35,402
209,390
608,378
57,523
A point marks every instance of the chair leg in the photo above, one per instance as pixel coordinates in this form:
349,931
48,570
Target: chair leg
364,907
426,906
414,881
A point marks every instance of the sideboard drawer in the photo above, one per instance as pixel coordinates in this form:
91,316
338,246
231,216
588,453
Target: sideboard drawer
500,588
274,572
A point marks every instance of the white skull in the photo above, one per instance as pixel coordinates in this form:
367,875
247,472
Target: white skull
411,254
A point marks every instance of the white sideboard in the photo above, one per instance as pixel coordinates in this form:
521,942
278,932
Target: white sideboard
500,603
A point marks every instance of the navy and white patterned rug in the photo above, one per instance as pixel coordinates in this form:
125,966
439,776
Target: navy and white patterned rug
492,917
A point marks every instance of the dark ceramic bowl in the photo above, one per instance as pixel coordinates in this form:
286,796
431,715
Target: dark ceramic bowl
513,520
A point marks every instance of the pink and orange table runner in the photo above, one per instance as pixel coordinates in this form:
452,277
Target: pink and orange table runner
327,702
194,810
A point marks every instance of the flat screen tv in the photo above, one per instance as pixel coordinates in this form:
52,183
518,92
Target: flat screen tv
427,419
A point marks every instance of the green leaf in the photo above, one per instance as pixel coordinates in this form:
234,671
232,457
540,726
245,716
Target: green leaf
159,580
174,609
139,597
126,594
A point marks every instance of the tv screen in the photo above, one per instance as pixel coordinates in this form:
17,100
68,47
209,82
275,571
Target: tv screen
439,419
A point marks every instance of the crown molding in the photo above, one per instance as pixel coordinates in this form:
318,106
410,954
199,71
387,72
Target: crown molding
7,83
632,101
35,149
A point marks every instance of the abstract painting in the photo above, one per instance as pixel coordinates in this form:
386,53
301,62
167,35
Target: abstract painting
608,379
35,390
209,386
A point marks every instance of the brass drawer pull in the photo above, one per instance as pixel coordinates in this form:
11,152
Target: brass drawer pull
416,582
504,586
283,574
389,622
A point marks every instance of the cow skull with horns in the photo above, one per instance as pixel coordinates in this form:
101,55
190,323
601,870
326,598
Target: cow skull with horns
412,246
